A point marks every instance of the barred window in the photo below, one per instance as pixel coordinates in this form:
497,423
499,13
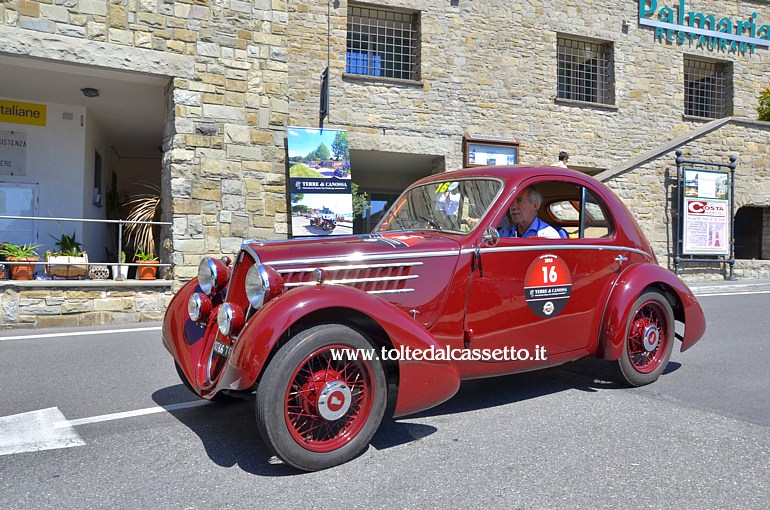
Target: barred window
584,71
382,43
707,89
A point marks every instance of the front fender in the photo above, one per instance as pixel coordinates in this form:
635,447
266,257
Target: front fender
628,288
422,384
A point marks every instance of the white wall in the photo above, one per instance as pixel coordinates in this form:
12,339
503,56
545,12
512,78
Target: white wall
56,162
96,237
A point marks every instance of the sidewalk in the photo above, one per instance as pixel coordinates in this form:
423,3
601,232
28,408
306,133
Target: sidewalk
727,286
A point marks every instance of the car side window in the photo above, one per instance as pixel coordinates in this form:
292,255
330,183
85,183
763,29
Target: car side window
526,215
579,211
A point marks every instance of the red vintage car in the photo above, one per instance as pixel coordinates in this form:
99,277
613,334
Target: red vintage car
332,335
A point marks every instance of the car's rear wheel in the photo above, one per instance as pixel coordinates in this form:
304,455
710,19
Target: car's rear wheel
649,339
316,411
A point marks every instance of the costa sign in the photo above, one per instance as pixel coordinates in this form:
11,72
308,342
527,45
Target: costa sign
706,208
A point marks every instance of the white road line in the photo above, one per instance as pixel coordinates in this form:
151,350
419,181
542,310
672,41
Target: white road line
36,431
79,333
131,414
733,293
48,429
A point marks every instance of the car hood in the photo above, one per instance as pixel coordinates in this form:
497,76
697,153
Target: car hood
411,270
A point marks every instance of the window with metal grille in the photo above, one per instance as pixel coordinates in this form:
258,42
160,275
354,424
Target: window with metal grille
584,71
706,88
382,43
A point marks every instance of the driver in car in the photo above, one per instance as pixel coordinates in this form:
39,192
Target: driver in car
523,213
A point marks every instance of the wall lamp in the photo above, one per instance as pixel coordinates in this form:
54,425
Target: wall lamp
90,92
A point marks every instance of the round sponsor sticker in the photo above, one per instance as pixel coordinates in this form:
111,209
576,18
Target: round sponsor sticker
547,286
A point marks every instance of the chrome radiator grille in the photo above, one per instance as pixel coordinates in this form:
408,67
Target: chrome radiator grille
386,278
236,289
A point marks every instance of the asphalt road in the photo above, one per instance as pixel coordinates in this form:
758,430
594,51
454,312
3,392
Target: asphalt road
561,438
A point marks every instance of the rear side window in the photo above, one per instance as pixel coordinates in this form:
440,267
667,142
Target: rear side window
582,216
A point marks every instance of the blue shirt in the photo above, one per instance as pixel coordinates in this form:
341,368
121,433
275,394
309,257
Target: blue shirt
538,228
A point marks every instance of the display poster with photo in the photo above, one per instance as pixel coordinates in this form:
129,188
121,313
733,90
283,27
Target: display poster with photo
706,213
320,186
481,154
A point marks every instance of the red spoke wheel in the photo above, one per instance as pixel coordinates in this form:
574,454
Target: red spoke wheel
649,339
316,411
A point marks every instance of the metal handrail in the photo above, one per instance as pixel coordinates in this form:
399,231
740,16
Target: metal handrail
86,220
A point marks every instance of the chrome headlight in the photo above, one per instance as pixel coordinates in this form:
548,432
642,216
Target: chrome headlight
198,307
212,275
257,286
230,319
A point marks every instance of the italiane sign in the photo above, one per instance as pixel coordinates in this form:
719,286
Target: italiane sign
16,112
677,23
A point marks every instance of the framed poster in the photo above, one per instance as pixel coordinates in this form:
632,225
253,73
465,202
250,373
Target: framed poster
706,228
489,151
320,186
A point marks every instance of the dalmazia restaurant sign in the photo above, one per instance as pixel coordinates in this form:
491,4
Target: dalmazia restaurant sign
708,31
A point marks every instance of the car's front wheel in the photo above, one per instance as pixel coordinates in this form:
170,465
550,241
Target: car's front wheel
315,410
649,339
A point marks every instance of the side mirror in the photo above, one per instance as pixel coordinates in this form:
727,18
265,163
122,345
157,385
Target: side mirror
491,237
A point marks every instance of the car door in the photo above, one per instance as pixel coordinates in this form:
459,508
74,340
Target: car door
544,297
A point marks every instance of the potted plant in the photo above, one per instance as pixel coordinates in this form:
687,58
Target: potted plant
147,269
20,253
143,209
119,271
69,261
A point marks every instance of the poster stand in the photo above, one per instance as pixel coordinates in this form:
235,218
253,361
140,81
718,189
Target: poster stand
691,200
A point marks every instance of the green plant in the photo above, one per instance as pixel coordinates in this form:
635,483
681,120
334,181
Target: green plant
122,257
359,201
19,251
68,245
115,201
144,256
764,105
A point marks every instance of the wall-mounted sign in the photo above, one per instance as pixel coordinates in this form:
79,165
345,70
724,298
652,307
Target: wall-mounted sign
489,151
13,153
706,213
16,112
320,187
715,32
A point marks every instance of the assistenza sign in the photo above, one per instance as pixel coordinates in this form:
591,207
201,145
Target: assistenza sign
13,153
707,31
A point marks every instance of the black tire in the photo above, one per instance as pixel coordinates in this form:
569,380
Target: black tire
299,387
649,340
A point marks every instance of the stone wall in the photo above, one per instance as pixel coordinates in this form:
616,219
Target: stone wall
83,303
643,187
489,68
223,165
240,72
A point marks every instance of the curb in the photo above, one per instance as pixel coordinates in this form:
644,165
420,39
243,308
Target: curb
729,287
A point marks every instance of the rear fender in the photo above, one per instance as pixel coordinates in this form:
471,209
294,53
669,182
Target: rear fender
628,287
422,384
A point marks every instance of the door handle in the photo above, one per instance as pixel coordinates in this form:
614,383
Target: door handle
620,259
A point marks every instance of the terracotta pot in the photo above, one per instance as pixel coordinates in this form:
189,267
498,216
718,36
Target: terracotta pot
147,269
22,272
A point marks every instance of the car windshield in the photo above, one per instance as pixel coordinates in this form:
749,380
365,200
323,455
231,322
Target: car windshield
452,206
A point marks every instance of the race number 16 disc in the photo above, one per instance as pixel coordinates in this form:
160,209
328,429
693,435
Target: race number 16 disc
547,286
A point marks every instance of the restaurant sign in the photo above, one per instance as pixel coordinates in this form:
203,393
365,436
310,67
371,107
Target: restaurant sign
713,32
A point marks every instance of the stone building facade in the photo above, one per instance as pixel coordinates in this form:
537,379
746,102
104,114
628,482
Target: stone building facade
237,73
